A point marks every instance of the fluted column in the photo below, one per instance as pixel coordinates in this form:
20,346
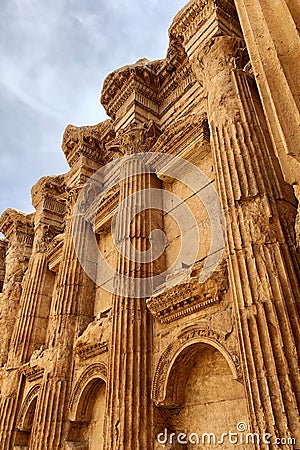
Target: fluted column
129,414
18,229
3,249
73,298
30,331
260,212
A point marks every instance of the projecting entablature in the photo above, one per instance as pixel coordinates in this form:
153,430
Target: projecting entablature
131,93
87,142
201,20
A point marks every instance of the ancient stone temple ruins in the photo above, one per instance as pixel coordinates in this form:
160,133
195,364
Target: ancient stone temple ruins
120,352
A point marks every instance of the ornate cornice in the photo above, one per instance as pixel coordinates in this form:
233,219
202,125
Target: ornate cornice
107,209
87,351
54,252
88,141
189,296
32,373
194,15
140,77
19,224
50,190
181,134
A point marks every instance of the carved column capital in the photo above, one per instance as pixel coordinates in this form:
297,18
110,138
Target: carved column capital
17,226
48,188
135,138
219,54
48,198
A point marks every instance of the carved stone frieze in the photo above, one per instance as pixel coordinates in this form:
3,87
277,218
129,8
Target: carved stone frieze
32,373
3,249
215,15
135,138
19,224
54,252
140,77
189,296
106,210
49,190
94,340
88,141
178,138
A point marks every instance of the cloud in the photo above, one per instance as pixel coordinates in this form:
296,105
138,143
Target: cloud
54,58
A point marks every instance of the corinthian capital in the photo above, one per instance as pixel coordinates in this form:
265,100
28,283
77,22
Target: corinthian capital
135,138
219,54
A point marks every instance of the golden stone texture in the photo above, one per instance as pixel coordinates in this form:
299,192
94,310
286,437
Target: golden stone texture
84,367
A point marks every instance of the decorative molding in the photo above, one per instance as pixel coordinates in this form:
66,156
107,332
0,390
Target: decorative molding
181,135
87,351
92,372
33,373
189,296
140,77
54,252
190,19
22,419
88,141
19,224
50,190
135,138
188,337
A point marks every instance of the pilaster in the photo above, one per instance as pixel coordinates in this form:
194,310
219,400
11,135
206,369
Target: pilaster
271,31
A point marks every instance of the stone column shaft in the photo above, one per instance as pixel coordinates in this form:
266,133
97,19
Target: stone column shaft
129,413
73,293
264,267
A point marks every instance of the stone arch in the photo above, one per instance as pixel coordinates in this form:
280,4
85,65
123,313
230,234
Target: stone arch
27,410
88,383
185,346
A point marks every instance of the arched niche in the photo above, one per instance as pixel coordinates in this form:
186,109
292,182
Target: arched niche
87,409
178,355
197,389
26,418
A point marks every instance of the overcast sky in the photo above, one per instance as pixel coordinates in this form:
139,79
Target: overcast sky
54,56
